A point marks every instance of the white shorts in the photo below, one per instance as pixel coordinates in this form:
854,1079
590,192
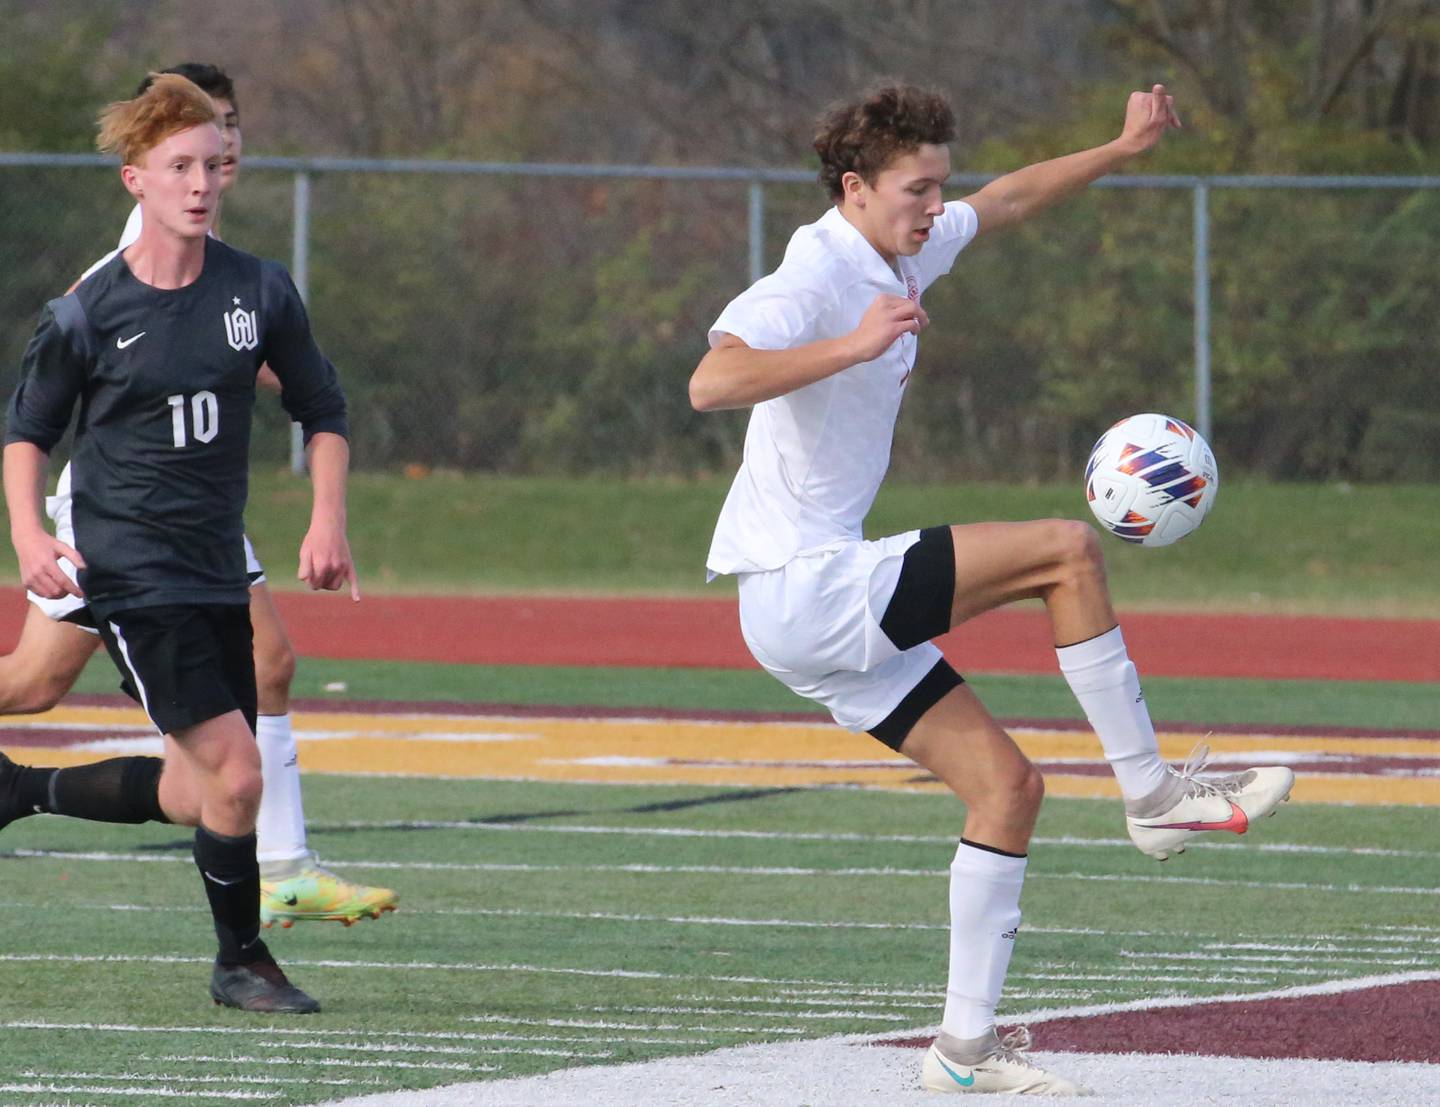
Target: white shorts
814,625
69,608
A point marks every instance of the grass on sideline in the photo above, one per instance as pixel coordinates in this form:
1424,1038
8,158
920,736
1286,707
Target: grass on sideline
1367,704
521,947
1273,548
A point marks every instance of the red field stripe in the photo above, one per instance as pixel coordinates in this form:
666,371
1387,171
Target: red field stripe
705,633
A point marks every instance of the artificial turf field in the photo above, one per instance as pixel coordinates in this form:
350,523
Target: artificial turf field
549,923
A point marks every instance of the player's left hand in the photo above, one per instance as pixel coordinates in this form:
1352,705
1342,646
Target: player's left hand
325,562
1149,115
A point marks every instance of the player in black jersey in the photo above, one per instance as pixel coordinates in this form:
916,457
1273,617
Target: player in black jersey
58,638
160,348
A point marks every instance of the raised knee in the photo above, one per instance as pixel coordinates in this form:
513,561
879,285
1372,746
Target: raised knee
1077,550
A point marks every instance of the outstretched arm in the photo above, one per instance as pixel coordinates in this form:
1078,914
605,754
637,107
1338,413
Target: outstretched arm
325,560
1015,197
734,374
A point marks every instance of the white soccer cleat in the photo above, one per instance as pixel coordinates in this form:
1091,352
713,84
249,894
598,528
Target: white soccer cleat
998,1066
1162,823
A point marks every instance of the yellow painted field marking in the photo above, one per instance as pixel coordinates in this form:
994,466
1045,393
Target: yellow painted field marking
724,753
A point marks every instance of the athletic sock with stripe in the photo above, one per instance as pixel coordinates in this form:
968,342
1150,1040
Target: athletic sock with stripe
231,876
984,918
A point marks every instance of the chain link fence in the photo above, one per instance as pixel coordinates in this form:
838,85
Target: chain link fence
545,319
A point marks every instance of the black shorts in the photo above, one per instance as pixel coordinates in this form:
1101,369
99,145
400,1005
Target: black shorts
185,664
919,610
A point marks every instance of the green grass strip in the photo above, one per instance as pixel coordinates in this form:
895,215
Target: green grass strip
1381,705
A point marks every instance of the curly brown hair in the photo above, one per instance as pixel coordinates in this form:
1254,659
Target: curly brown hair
867,135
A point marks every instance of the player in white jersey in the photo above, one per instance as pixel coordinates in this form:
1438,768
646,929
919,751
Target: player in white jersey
822,350
58,639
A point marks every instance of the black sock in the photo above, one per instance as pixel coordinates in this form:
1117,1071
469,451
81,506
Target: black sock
231,876
121,790
32,790
23,790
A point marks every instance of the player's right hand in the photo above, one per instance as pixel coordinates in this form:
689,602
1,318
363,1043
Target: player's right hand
40,570
884,321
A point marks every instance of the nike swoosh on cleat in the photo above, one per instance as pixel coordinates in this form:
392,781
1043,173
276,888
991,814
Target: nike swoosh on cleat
121,343
1236,822
291,901
963,1081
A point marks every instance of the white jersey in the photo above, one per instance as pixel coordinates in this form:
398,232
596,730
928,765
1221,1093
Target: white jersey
815,457
127,239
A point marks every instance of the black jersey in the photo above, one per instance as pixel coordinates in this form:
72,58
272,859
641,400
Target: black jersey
166,384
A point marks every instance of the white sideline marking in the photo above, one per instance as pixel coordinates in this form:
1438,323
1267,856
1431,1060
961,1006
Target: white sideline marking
1268,959
344,1062
853,1069
849,1071
456,866
1327,988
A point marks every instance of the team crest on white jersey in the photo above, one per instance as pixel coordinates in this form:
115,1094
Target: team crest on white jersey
240,328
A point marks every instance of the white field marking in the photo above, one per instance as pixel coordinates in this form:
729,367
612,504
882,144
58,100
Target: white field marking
607,760
819,1000
172,1078
1326,988
1271,958
665,870
1324,946
344,1062
428,1035
650,1027
690,1009
154,746
425,735
841,836
842,1070
148,1093
136,728
1266,885
1130,976
361,1047
1040,974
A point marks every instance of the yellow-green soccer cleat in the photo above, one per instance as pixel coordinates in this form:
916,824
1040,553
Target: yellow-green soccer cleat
316,894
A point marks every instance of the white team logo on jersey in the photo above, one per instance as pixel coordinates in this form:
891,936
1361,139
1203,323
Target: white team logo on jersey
240,328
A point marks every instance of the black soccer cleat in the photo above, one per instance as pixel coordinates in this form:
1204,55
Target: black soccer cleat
259,986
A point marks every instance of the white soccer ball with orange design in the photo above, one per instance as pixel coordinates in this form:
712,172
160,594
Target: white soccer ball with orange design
1151,479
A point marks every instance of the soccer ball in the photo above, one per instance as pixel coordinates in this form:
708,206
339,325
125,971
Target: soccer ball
1151,479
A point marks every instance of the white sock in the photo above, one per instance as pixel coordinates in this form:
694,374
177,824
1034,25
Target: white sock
280,826
984,916
1105,682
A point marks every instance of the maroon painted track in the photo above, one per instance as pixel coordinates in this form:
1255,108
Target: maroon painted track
705,633
1386,1023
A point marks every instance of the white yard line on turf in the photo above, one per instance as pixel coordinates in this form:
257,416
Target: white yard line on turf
838,836
730,870
147,1094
